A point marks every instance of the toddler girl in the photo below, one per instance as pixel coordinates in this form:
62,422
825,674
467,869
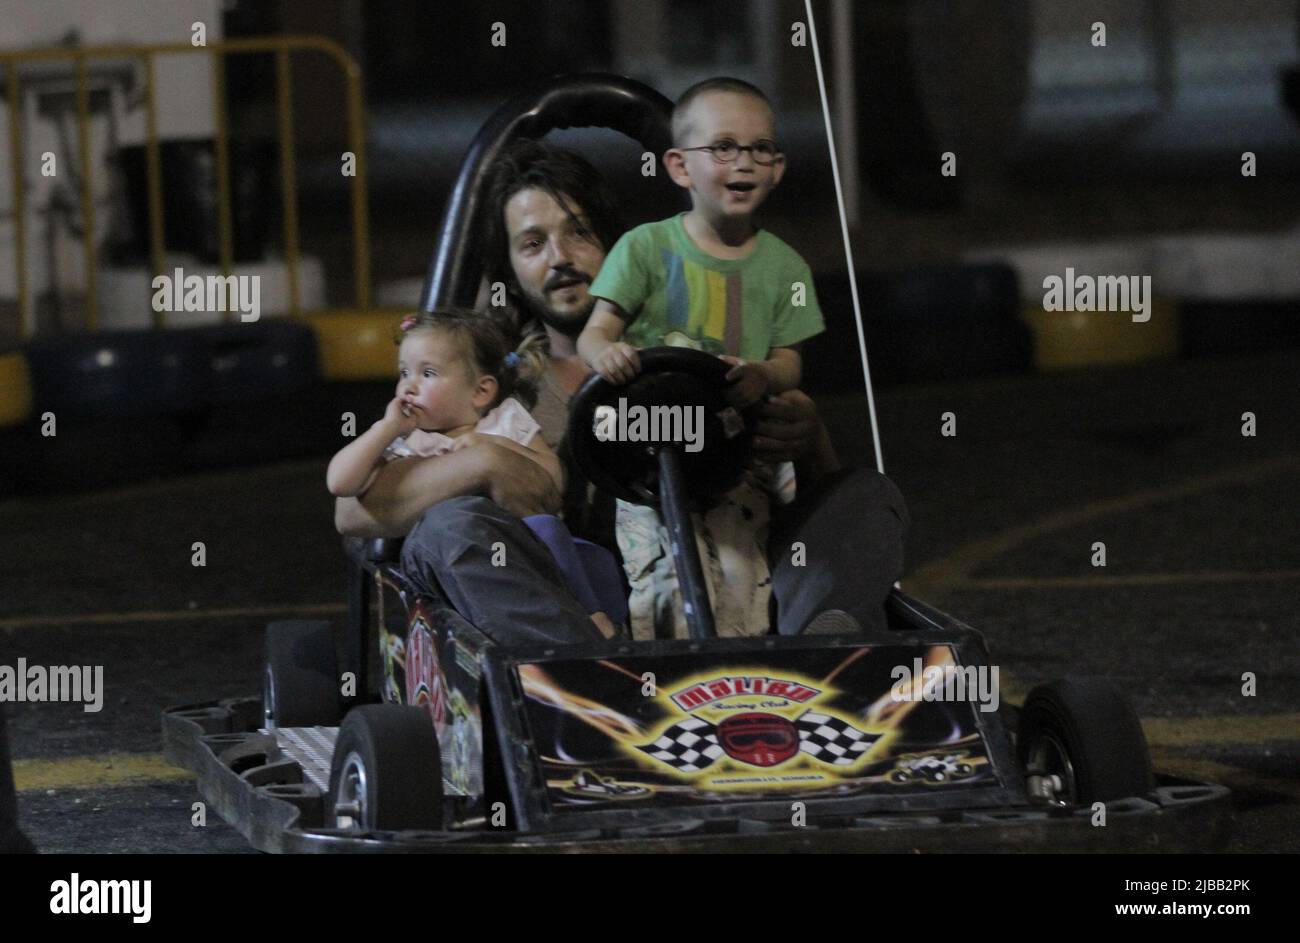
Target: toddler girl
457,386
457,382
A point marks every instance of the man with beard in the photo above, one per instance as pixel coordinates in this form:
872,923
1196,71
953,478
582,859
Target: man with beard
550,220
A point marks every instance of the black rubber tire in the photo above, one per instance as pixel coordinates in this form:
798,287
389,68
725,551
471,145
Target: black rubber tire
397,747
301,684
1100,732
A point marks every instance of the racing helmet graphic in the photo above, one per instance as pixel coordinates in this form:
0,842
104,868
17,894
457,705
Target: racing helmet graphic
758,739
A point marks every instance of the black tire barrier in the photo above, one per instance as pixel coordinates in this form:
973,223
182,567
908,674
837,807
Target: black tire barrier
250,362
133,404
170,373
120,374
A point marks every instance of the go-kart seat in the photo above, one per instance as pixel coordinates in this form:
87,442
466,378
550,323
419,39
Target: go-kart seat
590,571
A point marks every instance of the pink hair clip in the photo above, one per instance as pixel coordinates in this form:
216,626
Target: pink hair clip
408,322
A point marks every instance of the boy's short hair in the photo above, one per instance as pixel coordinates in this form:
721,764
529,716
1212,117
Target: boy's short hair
680,124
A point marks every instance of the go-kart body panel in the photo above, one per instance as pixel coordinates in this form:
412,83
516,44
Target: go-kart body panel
432,658
663,729
703,726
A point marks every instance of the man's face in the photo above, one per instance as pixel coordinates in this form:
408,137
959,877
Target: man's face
554,259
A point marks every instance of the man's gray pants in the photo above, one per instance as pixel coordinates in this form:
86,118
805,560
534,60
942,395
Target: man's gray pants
495,572
850,540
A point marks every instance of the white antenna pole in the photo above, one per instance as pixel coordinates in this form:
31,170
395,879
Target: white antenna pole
844,229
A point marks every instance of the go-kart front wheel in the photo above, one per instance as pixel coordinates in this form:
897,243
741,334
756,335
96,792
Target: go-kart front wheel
1080,742
386,774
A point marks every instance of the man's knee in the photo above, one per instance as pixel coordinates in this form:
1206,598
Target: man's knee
446,530
869,489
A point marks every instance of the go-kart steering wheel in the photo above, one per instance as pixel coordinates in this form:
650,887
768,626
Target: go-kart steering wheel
675,384
670,440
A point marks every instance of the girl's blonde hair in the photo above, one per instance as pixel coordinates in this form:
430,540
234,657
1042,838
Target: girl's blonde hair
485,344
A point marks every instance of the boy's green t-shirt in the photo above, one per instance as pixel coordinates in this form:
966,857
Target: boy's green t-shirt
743,307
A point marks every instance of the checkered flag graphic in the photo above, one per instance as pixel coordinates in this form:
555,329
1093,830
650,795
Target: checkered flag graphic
688,746
830,740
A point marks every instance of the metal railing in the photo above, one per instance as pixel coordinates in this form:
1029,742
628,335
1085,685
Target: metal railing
282,47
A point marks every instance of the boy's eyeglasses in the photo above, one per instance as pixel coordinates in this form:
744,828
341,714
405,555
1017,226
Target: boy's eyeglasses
764,153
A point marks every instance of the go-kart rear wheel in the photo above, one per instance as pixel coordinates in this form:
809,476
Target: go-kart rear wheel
386,774
1080,742
300,685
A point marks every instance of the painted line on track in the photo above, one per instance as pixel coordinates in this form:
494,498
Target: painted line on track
177,615
1221,730
92,772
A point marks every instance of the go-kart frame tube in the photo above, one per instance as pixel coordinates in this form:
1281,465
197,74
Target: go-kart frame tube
686,554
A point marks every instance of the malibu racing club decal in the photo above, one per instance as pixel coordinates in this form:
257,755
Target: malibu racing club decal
760,738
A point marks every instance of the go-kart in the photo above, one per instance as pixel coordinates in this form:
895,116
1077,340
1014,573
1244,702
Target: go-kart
426,735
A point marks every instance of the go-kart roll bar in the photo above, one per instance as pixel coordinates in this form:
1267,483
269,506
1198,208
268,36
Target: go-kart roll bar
573,101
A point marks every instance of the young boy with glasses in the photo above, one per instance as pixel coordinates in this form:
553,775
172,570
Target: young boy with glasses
709,278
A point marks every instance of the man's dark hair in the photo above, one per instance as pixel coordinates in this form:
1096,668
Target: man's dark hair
568,178
721,83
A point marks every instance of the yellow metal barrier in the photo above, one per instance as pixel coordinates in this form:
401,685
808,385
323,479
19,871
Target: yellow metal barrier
357,345
15,390
282,47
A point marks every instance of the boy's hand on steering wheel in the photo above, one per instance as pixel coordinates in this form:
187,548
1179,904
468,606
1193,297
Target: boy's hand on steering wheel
401,417
748,382
618,363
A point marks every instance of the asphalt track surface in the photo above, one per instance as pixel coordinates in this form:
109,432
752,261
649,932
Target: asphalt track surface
1203,565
